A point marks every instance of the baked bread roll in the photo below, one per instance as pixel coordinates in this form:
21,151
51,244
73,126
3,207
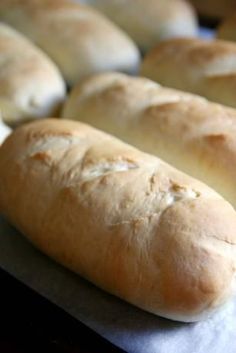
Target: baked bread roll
123,219
214,9
76,37
227,29
187,131
148,22
207,68
4,131
30,84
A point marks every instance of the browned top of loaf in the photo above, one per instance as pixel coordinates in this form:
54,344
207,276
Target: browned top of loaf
78,38
194,51
207,68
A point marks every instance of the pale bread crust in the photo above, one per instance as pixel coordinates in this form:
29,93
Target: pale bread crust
149,22
30,84
80,40
125,220
203,67
187,131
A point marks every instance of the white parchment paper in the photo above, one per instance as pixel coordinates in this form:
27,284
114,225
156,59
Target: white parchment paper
129,328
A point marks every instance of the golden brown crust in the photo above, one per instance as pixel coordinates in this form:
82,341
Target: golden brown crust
148,22
193,65
195,51
123,219
30,84
79,39
188,131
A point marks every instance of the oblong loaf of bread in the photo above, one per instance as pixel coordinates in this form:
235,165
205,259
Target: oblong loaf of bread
123,219
79,39
31,86
4,131
204,67
149,22
187,131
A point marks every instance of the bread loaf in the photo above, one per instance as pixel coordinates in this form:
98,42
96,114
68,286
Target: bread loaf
4,131
123,219
227,29
30,84
76,37
148,22
207,68
214,9
188,131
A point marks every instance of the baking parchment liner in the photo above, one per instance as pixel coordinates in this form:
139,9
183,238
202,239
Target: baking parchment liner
127,327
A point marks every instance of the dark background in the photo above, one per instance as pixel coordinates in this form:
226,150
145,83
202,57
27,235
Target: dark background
31,324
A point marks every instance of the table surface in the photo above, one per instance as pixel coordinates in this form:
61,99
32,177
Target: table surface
30,323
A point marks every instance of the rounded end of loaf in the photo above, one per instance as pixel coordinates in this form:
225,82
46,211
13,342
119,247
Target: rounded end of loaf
103,47
196,256
31,84
152,21
177,19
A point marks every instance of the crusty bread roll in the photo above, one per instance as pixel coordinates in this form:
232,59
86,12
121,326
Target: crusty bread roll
76,37
187,131
30,84
123,219
227,29
148,22
4,131
207,68
214,9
